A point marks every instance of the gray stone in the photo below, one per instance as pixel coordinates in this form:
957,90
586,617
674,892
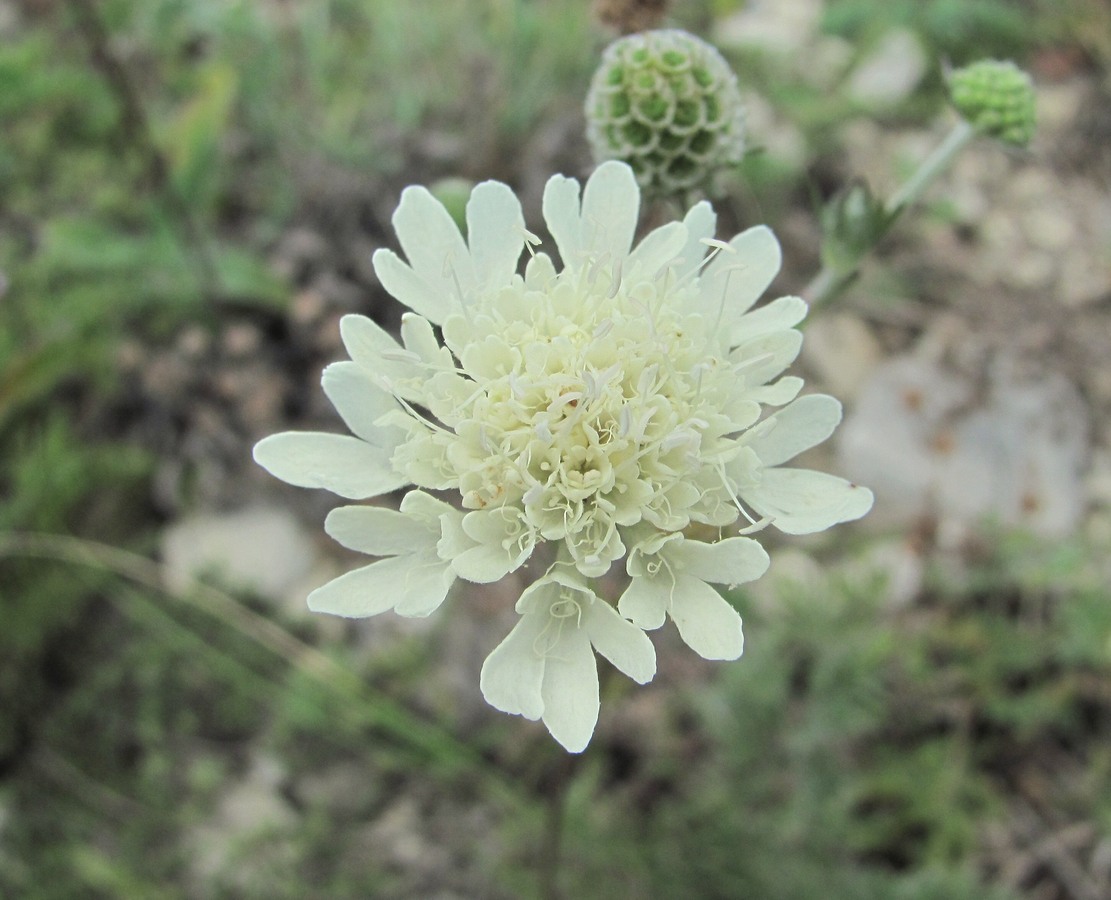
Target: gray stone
263,549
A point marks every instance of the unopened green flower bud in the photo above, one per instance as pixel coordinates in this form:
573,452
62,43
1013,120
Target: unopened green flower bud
667,104
853,221
996,98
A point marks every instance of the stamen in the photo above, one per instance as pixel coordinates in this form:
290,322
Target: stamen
757,360
625,421
591,392
531,242
415,413
449,269
724,293
595,267
615,279
667,268
755,524
718,245
759,430
758,525
673,440
701,368
401,356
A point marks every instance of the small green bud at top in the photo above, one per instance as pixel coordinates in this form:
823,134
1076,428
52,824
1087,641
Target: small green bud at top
996,98
667,104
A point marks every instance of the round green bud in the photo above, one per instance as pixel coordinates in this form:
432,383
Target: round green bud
996,98
667,104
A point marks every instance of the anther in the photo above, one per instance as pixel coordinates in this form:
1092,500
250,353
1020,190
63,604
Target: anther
615,278
604,328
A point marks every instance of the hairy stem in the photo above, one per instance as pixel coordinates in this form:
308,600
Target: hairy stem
830,281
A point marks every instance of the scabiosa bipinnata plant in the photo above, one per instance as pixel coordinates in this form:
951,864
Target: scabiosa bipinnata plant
667,104
997,98
613,408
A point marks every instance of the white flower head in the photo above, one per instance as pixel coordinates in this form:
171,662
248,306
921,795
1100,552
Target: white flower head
602,407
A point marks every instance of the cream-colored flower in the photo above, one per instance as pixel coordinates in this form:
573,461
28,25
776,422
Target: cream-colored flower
600,407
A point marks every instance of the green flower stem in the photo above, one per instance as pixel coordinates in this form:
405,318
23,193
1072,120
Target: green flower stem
832,280
936,163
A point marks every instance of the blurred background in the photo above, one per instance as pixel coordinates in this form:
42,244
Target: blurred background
190,194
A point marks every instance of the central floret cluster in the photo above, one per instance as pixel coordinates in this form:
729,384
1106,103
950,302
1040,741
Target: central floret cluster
585,401
603,408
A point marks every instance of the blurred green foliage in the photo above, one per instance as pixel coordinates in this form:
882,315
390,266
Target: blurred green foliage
957,31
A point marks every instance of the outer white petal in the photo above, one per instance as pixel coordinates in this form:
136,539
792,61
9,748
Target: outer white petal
779,315
539,272
758,361
483,563
701,222
363,592
802,501
498,526
453,539
620,641
645,601
360,403
562,214
419,338
409,288
432,242
740,277
735,560
660,246
366,342
379,531
782,391
495,233
797,427
570,690
610,207
425,507
706,621
539,596
426,585
343,465
511,675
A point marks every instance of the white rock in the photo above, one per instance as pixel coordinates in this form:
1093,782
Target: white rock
889,440
1085,277
890,72
773,26
842,351
1017,457
250,808
780,138
262,549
